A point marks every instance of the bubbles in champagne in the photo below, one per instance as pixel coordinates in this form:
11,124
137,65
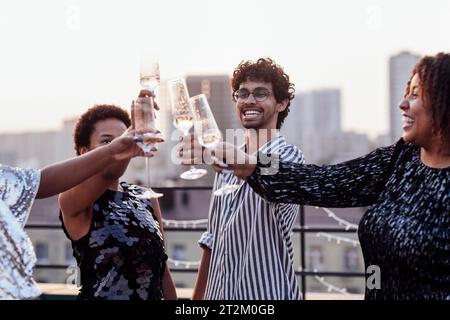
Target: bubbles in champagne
149,82
210,138
183,122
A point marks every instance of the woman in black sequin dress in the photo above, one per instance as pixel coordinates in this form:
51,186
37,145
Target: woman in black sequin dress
117,238
406,229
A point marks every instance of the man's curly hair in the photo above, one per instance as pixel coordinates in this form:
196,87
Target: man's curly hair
266,70
86,123
434,79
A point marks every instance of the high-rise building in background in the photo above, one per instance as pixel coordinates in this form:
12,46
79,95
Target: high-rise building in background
313,123
400,68
320,111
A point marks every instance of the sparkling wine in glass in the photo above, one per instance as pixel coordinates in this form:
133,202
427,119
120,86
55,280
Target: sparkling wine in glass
182,119
149,73
209,135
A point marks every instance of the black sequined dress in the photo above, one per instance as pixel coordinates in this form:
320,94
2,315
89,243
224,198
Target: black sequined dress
122,257
406,230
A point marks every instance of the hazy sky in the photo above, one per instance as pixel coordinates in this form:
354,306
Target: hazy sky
59,57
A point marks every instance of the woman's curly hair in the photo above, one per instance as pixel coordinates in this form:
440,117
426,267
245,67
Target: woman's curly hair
434,79
86,123
266,70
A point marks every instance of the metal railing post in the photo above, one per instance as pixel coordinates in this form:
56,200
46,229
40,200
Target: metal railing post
302,250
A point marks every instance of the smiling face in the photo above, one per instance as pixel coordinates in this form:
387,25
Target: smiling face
417,117
255,114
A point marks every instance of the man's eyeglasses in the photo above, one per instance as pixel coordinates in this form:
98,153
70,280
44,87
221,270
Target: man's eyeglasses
259,94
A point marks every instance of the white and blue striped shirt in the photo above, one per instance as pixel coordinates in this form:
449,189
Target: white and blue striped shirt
250,240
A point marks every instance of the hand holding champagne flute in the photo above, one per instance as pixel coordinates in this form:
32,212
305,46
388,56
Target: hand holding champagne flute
143,116
242,164
143,123
209,134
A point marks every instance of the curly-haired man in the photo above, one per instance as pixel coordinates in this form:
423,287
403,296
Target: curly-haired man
247,249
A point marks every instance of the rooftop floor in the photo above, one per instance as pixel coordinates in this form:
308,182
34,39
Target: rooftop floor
66,291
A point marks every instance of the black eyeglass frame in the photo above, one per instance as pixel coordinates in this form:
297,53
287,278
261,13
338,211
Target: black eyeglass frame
267,92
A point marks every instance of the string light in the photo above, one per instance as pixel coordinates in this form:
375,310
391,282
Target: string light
184,263
203,222
331,287
343,223
185,224
338,239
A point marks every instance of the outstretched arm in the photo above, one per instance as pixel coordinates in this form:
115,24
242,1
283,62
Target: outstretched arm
64,175
349,184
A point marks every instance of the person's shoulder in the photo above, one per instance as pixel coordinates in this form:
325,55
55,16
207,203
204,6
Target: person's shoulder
406,146
21,196
5,169
397,152
291,153
27,176
131,188
401,147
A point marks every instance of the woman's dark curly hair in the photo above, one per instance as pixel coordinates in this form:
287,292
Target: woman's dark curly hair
86,123
266,70
434,79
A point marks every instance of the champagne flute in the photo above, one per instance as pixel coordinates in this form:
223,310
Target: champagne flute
143,114
182,119
149,76
209,135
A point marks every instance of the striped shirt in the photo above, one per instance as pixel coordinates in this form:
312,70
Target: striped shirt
250,239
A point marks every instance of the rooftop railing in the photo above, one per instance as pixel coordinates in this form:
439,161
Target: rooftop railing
301,272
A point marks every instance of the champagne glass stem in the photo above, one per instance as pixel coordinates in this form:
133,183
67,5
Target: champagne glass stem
147,171
225,187
152,99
